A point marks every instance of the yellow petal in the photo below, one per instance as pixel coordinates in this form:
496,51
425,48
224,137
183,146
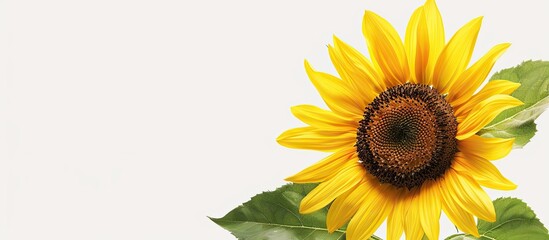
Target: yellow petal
468,194
335,93
417,46
327,191
327,168
430,206
386,48
412,225
395,220
487,148
491,88
410,40
463,220
455,57
318,117
469,81
345,206
483,171
372,213
356,70
315,139
483,113
435,29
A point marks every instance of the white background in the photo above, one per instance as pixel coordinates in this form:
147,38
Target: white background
137,119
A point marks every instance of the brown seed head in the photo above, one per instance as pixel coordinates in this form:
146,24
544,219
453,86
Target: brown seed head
407,135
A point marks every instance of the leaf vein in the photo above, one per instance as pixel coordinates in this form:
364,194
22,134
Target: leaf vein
503,223
285,208
280,225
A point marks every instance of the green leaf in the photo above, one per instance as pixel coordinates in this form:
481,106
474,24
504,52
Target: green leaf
518,122
275,215
515,221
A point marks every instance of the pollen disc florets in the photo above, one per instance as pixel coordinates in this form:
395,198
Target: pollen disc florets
407,136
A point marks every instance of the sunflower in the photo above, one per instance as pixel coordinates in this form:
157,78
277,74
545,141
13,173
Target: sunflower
401,129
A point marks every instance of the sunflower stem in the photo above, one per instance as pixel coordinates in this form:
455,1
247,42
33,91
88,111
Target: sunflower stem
374,237
455,236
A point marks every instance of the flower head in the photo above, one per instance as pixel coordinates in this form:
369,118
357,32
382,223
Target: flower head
401,129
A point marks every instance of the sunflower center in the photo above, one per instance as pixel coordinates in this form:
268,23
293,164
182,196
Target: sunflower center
407,136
